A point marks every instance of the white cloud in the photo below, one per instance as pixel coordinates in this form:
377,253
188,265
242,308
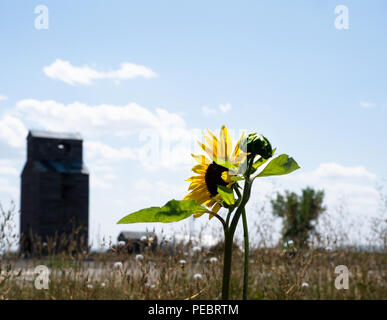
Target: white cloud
356,184
367,104
337,171
225,107
100,119
12,131
66,72
208,111
149,156
100,168
98,150
110,176
146,192
164,189
7,188
3,97
7,168
98,183
100,175
163,141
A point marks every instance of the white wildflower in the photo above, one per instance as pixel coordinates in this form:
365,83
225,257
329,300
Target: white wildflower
198,276
196,249
213,259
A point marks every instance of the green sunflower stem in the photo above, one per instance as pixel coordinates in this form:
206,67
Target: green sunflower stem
229,232
227,259
247,258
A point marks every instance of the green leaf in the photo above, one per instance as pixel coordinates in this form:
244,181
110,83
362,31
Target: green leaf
280,165
225,163
237,178
261,161
173,210
227,195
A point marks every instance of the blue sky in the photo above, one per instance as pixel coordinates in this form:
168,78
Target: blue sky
280,67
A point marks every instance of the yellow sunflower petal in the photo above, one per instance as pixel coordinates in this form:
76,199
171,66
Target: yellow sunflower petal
241,157
198,190
206,149
200,168
237,147
210,203
213,144
215,209
200,196
201,159
194,185
218,149
225,142
227,175
188,196
196,178
198,214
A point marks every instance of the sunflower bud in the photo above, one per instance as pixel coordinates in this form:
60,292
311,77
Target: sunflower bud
258,145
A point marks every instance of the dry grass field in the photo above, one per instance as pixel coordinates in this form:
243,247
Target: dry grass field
186,271
192,274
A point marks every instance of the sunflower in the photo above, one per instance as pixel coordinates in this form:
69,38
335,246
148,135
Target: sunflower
210,174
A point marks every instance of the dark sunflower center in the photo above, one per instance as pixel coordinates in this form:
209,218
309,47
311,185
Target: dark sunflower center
213,178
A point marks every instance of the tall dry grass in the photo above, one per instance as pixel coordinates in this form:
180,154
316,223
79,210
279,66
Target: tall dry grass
187,271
